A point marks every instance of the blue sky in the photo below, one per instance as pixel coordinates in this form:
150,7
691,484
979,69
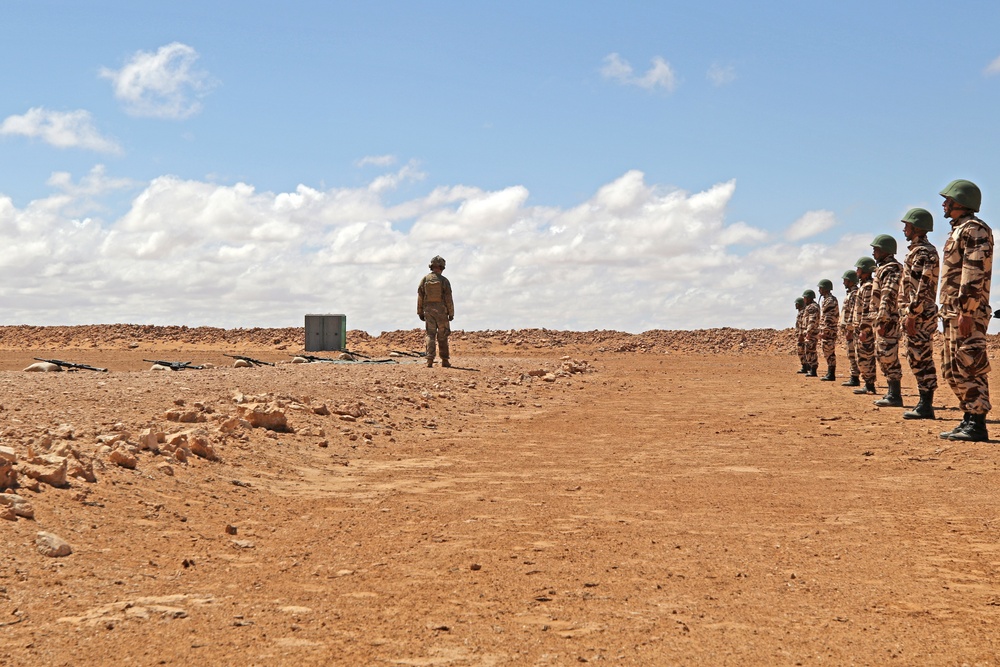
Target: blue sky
628,165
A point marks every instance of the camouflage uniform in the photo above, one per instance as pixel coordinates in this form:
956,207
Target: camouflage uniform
436,308
800,333
967,270
829,321
862,321
885,313
847,326
917,293
810,319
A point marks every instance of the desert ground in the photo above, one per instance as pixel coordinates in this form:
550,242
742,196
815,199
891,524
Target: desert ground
556,498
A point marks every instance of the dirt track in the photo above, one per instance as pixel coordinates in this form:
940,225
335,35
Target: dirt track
655,508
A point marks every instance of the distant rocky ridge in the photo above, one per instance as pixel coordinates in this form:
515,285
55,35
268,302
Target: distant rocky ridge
724,340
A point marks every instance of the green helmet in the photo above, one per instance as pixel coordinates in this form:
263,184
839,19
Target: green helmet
800,301
865,263
850,275
809,294
885,243
965,193
437,260
920,218
826,284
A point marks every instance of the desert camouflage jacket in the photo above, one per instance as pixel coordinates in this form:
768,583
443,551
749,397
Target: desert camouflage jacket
967,269
800,322
829,317
810,320
850,303
863,306
919,285
885,292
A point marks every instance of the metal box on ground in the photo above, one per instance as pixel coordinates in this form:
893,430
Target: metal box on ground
326,332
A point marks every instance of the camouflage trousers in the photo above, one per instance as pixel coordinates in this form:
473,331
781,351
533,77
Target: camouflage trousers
852,355
965,365
920,351
800,348
437,329
812,358
830,351
866,353
887,352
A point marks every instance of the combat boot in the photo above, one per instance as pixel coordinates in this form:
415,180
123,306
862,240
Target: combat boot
811,373
893,398
430,362
831,374
946,435
803,370
869,388
924,408
855,381
974,431
445,363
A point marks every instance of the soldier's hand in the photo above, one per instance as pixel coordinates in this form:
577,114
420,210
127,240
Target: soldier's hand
421,317
910,324
451,317
881,330
849,336
964,325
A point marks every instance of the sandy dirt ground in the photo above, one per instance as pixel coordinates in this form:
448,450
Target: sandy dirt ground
552,500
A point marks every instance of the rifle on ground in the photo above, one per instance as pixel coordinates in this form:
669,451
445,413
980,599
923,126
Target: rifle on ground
175,365
410,354
356,354
70,365
311,357
249,360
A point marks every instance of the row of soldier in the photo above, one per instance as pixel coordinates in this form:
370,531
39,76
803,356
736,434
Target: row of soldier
886,299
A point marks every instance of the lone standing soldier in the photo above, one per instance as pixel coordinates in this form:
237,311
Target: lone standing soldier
800,336
918,308
850,278
863,325
967,270
829,322
436,308
810,322
885,317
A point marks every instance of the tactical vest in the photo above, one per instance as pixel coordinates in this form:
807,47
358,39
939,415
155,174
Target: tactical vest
433,289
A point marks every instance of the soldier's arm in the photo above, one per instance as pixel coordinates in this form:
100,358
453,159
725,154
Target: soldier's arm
449,303
977,257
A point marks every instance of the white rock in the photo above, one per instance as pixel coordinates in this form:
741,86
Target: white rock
42,367
18,505
8,454
51,545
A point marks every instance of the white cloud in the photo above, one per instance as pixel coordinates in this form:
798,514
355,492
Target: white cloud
164,84
721,75
993,68
659,75
633,256
62,129
377,161
810,224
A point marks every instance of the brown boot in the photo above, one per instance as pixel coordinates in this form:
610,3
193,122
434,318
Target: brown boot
445,363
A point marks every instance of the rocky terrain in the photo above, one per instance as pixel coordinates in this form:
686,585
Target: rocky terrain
671,497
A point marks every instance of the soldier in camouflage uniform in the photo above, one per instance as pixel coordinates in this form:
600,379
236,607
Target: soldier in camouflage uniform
885,317
850,278
829,322
918,308
863,325
800,336
966,273
436,308
810,321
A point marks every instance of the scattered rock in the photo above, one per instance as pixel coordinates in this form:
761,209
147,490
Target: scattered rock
52,545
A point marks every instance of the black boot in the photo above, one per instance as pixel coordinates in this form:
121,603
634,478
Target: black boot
924,408
945,435
869,388
893,398
853,382
831,373
803,370
974,431
811,373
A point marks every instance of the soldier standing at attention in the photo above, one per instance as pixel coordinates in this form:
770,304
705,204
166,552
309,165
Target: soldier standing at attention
800,336
863,325
829,322
885,317
810,322
436,308
918,308
847,325
966,273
